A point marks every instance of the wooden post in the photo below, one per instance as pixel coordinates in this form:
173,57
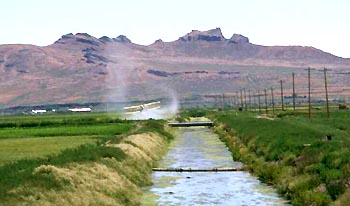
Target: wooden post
325,85
265,101
309,81
293,92
272,101
282,98
259,101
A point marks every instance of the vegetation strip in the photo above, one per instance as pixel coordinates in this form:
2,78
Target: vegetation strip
307,161
111,171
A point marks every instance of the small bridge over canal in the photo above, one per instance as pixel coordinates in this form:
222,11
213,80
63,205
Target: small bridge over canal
191,124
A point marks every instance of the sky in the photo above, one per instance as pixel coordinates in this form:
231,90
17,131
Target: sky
323,24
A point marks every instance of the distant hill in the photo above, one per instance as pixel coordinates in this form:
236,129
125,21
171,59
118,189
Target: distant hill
82,68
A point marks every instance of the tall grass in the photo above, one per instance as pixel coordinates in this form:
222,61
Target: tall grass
21,172
293,153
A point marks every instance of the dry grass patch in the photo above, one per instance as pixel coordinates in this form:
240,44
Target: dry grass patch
132,151
151,143
85,184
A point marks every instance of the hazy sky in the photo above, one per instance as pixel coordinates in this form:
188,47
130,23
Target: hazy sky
324,24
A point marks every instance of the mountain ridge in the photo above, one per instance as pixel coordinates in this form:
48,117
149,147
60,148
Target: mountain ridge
80,67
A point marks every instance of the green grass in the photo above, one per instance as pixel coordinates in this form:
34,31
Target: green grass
96,129
31,136
293,154
15,149
28,141
67,119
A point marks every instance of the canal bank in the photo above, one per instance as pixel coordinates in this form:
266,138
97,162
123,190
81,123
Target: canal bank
200,147
290,154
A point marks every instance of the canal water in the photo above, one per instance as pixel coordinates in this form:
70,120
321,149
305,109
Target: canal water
200,147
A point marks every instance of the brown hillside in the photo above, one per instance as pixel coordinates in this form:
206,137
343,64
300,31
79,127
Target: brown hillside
82,68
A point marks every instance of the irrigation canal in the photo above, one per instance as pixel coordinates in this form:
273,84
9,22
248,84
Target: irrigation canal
200,147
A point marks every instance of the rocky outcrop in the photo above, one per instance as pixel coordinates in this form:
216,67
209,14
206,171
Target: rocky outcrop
122,39
105,39
159,41
92,57
210,35
238,39
79,38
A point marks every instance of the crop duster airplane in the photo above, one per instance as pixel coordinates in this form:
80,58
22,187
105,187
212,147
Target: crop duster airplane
142,107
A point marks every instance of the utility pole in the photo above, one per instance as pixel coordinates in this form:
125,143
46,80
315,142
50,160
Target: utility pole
325,85
309,91
234,102
241,99
272,101
223,101
249,101
245,100
254,101
282,102
265,101
259,101
293,92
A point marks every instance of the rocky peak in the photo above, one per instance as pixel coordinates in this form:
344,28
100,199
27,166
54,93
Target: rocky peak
67,36
105,39
159,41
122,38
238,39
210,35
79,38
83,34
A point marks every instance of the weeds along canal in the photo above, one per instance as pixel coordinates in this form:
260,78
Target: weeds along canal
200,147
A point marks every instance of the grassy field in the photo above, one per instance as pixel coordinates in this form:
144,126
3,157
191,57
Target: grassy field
27,148
292,152
27,141
65,159
32,136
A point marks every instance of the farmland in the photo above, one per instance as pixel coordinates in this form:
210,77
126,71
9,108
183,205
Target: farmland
37,136
293,153
47,157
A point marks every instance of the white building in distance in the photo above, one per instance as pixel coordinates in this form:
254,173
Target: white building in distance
38,111
87,109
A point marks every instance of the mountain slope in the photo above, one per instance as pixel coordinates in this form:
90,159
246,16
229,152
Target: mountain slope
82,68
